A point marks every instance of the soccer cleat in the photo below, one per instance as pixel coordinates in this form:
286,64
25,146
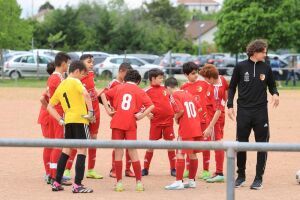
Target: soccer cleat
81,189
190,184
67,174
145,172
119,187
56,187
47,179
186,174
139,186
129,173
216,179
93,174
257,184
66,182
173,172
177,185
204,175
240,181
112,173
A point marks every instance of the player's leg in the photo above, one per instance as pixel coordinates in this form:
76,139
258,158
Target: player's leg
242,135
128,172
46,153
118,134
205,174
168,134
192,172
112,172
67,172
154,134
180,162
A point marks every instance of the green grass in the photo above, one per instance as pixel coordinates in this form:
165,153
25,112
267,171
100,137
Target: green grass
41,83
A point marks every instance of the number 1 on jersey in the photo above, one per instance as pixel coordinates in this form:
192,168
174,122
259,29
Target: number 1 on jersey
190,109
67,100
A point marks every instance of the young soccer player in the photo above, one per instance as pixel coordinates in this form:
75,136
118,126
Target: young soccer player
128,100
43,120
89,84
217,97
56,131
124,67
198,89
186,115
161,117
74,99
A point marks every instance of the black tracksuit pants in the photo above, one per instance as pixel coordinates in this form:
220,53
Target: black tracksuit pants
256,119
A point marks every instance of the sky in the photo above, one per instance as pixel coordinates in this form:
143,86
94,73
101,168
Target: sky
30,7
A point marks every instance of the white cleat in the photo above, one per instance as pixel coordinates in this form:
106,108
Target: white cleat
177,185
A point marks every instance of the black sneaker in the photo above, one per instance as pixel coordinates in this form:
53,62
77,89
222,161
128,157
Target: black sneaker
239,182
256,185
81,189
145,172
173,172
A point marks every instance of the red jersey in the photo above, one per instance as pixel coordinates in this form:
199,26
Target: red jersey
189,125
53,82
89,84
113,83
198,89
44,115
163,113
128,99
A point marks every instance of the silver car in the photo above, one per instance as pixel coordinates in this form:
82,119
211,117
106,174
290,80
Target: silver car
26,65
110,66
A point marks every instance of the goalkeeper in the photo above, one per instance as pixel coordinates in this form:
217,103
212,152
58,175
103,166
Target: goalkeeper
74,98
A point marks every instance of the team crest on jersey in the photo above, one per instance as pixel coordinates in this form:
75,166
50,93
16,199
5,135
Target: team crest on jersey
165,93
262,77
208,93
199,89
246,77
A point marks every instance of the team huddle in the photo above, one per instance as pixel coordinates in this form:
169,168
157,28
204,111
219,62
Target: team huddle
70,110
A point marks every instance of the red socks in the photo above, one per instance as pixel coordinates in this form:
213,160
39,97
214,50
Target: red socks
147,159
128,160
118,168
137,170
219,156
179,169
172,159
55,154
193,168
187,167
91,158
113,161
71,159
206,159
46,159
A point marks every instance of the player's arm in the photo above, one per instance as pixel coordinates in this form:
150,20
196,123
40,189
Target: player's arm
43,100
108,109
146,112
54,101
178,115
209,130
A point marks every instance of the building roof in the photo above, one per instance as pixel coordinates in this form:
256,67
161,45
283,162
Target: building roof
193,29
197,2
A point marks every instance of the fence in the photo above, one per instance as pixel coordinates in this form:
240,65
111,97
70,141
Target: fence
230,147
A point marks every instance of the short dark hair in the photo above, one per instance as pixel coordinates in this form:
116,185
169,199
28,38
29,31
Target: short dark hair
171,82
86,56
60,58
125,66
77,65
256,46
209,71
133,75
153,73
188,67
50,68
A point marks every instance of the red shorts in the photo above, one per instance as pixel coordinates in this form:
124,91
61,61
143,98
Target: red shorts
189,151
55,129
118,134
45,130
159,132
94,127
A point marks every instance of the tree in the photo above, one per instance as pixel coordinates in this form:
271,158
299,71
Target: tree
46,6
56,38
241,21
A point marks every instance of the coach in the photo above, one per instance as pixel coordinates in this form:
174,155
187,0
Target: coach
252,76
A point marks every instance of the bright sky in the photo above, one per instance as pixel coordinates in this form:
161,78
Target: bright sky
32,6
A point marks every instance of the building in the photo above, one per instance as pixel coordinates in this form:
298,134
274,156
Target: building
204,29
205,6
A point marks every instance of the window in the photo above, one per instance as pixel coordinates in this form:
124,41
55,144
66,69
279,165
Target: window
43,60
135,62
117,60
27,59
17,59
206,8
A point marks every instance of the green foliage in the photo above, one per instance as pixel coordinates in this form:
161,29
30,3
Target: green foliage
241,21
15,33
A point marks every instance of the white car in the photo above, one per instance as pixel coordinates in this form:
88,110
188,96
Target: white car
110,66
25,65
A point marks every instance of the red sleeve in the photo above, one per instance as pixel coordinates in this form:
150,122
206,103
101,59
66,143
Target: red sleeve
176,103
217,100
146,101
53,84
110,93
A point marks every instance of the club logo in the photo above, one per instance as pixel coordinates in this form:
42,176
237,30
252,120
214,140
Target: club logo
262,77
199,89
165,93
246,77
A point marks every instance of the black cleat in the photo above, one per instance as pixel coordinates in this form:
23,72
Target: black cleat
145,172
257,184
240,181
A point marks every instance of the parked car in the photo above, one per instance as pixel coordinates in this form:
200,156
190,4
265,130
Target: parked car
110,66
26,65
149,58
